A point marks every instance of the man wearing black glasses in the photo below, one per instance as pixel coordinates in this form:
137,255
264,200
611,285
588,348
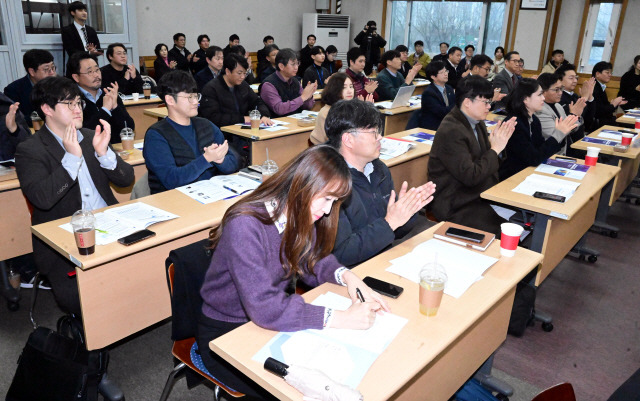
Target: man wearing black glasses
184,148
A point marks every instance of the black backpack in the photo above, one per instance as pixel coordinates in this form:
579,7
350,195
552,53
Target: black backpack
523,307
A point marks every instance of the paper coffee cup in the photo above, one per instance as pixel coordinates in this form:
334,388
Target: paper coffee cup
638,124
136,96
510,238
592,156
626,139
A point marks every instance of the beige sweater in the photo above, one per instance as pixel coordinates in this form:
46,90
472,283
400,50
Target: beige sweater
318,136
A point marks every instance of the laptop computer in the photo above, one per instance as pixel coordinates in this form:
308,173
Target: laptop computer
401,100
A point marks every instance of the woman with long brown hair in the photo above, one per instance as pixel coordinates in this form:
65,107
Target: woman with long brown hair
286,228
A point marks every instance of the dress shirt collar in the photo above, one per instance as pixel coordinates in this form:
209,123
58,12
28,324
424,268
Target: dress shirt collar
281,221
394,74
78,26
509,72
603,86
440,88
454,65
59,139
570,93
89,96
368,169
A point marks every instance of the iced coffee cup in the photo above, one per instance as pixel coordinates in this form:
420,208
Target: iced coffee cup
592,156
269,168
432,282
83,223
509,238
36,121
127,136
146,90
255,116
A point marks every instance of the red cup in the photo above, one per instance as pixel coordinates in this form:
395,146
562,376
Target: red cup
638,123
626,139
509,238
592,156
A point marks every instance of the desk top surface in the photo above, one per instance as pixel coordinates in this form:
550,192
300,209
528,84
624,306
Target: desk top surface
135,155
141,102
631,153
419,343
625,119
194,217
9,181
419,149
159,112
261,135
595,179
399,110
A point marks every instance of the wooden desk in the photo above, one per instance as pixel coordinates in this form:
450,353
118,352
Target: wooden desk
395,120
283,145
123,289
444,350
420,85
628,162
16,220
158,113
624,119
136,111
139,169
411,166
557,226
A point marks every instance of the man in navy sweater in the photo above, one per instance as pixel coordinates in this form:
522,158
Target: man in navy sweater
372,217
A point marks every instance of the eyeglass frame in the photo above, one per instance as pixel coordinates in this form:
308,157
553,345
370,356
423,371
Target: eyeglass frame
378,134
190,96
71,104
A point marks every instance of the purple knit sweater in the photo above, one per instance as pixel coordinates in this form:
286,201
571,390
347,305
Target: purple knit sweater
246,280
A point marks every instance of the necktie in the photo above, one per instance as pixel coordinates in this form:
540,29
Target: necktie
446,99
86,38
513,79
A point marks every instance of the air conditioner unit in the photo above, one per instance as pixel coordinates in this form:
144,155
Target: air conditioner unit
330,29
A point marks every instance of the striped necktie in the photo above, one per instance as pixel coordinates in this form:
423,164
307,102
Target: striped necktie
86,38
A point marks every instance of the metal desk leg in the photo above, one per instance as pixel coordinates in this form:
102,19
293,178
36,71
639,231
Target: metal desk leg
600,225
537,241
583,252
483,375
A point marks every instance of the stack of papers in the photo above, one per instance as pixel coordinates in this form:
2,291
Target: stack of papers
392,147
550,185
599,141
633,113
463,267
121,221
304,114
614,135
563,168
423,137
277,125
218,188
130,97
342,354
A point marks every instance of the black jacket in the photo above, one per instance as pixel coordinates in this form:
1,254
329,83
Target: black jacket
588,113
371,45
183,63
362,230
71,41
313,74
201,63
219,106
10,140
160,67
20,91
604,109
455,73
93,112
125,86
433,109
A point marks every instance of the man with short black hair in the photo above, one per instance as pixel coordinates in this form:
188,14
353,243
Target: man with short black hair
438,98
183,148
371,218
362,86
453,66
262,54
228,99
179,52
234,40
390,80
508,78
465,63
78,36
419,57
370,43
316,72
444,53
404,57
241,51
481,66
118,71
464,158
214,60
557,61
605,109
198,62
305,55
64,168
270,65
39,65
282,91
99,104
569,76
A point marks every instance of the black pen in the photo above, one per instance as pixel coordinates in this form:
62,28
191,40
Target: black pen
230,189
359,294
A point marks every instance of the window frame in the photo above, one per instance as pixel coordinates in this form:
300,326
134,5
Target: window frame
592,9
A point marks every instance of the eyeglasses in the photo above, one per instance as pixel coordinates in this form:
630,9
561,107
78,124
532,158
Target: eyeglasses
376,134
193,97
73,104
556,90
294,63
90,72
486,102
48,69
487,69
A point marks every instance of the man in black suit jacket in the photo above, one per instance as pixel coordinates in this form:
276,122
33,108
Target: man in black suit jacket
99,104
180,54
39,64
507,79
464,159
13,127
569,76
605,109
438,98
453,66
78,36
60,168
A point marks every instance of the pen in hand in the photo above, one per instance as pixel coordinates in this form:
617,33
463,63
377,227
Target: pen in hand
359,294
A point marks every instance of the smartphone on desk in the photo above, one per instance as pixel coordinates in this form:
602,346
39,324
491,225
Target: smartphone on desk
464,234
382,287
136,237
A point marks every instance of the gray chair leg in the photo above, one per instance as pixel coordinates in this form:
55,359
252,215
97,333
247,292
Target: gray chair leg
216,393
34,295
171,380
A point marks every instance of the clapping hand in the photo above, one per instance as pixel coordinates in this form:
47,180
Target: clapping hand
578,107
101,138
70,140
501,134
567,124
10,118
216,153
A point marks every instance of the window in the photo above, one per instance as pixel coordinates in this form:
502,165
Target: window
458,23
599,35
49,16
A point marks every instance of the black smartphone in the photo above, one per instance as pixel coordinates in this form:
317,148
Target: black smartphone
569,159
551,197
626,131
136,237
382,287
245,127
464,234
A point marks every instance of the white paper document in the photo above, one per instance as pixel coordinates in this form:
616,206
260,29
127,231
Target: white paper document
304,114
550,185
121,221
218,188
463,267
393,148
564,172
342,354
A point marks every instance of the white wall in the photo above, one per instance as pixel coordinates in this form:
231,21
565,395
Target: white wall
628,45
158,20
530,37
361,12
568,33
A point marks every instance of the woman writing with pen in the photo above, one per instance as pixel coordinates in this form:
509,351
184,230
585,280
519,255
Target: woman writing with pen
284,229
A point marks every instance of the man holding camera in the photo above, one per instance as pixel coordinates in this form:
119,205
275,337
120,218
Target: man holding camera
370,43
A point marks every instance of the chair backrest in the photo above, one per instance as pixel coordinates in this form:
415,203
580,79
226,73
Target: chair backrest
190,264
146,65
414,120
559,392
141,187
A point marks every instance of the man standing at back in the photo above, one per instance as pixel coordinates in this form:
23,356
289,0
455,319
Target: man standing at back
370,43
184,148
282,91
118,71
39,65
305,55
78,36
262,54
